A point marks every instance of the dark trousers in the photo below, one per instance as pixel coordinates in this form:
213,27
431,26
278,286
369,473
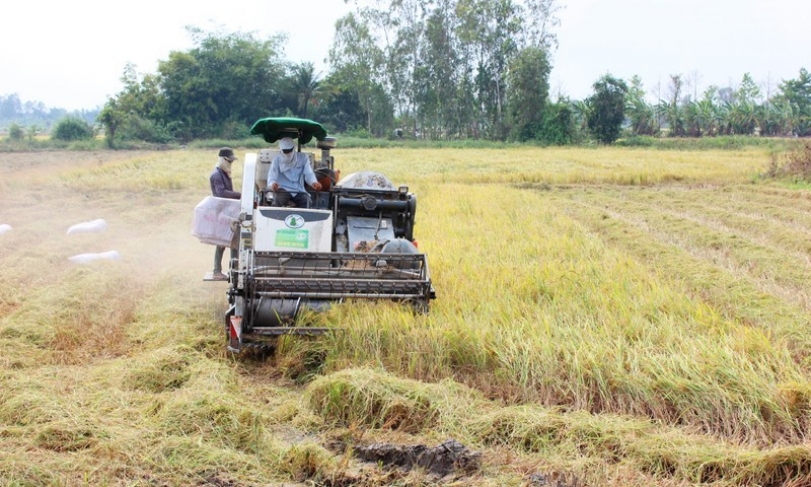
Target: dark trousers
283,198
218,258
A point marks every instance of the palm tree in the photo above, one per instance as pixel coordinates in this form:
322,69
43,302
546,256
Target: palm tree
673,114
774,118
743,118
305,83
582,110
692,119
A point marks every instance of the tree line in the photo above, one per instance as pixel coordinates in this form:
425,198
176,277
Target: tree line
438,69
35,115
434,69
741,110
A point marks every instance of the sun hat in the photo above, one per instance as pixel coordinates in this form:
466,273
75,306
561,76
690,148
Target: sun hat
227,154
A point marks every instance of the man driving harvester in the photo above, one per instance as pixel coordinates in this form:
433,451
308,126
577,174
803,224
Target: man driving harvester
288,173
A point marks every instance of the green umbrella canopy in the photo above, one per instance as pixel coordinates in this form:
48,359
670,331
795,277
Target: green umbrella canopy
275,128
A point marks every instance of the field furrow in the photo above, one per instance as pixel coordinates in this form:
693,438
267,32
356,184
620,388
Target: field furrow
739,297
715,239
732,241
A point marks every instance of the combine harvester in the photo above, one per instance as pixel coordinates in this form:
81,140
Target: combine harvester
356,241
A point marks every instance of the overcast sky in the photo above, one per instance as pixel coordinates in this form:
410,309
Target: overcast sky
71,54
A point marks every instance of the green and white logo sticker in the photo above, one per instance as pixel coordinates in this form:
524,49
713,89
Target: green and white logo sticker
293,239
294,221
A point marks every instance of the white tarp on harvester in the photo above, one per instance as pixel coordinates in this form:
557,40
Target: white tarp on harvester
214,220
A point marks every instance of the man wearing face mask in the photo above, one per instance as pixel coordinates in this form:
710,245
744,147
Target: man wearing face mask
223,187
288,173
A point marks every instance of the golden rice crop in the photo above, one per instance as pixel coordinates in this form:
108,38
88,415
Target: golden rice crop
607,316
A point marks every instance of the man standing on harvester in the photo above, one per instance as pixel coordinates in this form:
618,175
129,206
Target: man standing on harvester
288,173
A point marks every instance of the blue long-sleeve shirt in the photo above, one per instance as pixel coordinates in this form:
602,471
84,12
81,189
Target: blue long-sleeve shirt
293,179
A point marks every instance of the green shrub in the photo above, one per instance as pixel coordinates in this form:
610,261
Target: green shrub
136,127
559,126
235,130
72,128
360,133
637,141
85,145
15,132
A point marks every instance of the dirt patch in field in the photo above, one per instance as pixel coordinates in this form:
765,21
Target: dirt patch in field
441,460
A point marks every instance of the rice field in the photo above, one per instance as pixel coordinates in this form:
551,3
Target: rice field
604,317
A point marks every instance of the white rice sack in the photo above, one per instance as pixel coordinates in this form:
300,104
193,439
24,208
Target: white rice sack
5,228
86,258
213,219
96,226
